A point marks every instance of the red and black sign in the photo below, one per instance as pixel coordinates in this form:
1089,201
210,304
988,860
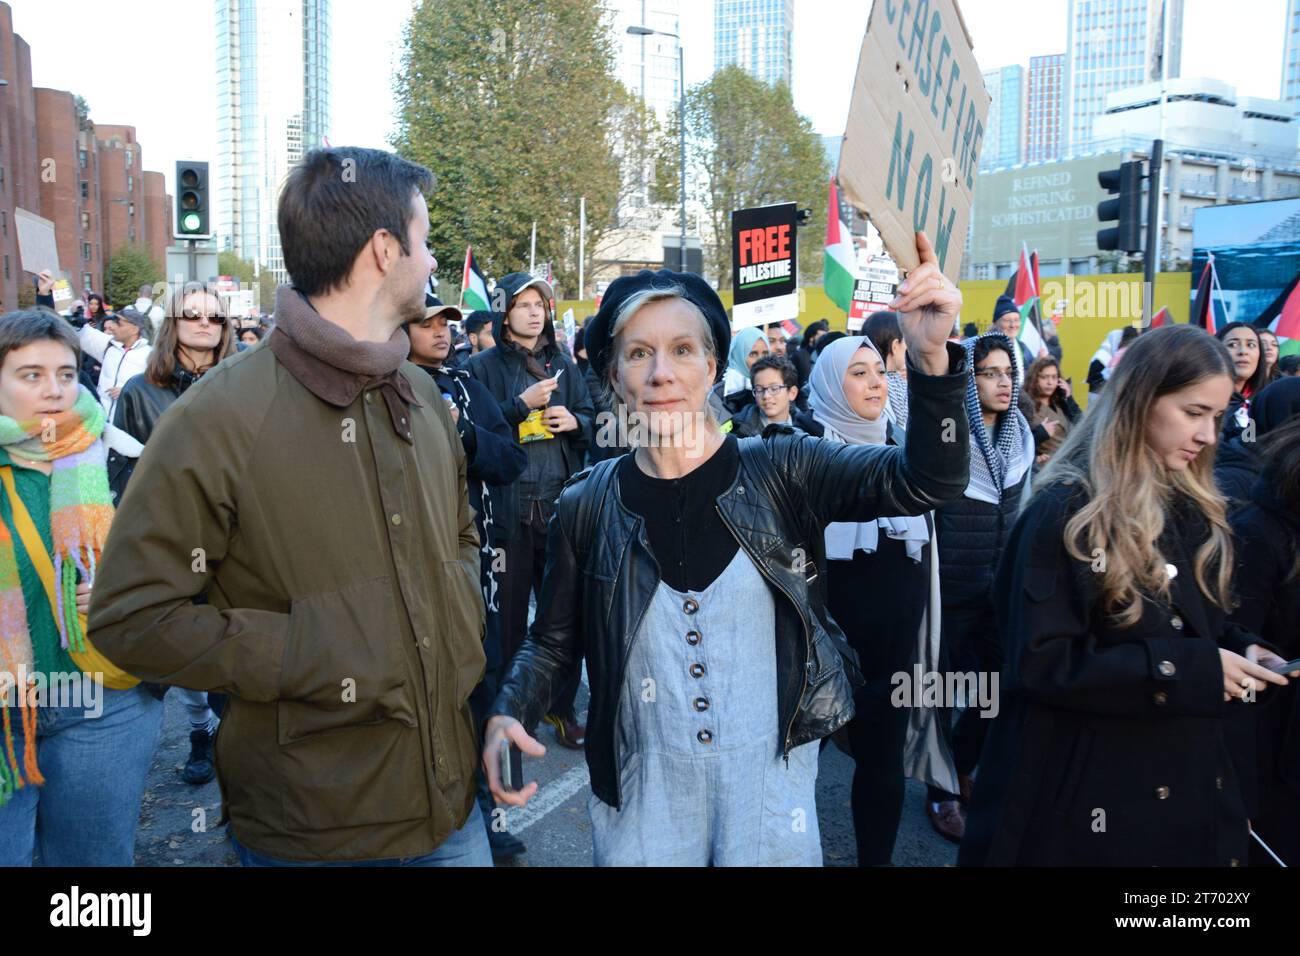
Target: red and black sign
763,252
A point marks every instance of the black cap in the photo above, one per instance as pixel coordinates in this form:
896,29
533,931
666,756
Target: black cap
475,321
697,292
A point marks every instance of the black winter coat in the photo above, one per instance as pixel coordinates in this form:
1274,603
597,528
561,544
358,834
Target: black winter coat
595,591
1109,749
503,372
1236,469
492,455
747,424
138,409
1268,592
971,537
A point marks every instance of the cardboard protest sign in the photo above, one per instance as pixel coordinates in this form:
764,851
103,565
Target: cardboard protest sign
764,250
36,245
916,125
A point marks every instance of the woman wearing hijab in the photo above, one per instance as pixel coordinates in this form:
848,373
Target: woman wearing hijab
735,391
680,573
972,533
883,590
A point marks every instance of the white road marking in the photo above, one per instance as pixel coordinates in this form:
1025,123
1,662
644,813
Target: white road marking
554,794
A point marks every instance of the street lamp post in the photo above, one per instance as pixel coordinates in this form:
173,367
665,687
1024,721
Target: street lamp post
681,123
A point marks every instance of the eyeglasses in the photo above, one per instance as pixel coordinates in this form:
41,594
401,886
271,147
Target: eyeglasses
995,375
190,315
770,390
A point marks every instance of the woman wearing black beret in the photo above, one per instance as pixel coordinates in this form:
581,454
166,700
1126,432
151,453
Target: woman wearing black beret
686,573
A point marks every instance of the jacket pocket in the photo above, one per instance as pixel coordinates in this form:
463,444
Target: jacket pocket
465,613
343,666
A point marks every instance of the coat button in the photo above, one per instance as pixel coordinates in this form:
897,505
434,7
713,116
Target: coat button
425,640
693,637
1166,668
704,737
1160,698
397,519
369,396
1171,570
697,670
1162,793
740,490
1176,623
701,703
690,606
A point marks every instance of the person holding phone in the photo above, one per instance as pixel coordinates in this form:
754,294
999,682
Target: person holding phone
1121,665
686,574
549,410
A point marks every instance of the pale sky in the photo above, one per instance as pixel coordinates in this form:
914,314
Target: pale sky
129,58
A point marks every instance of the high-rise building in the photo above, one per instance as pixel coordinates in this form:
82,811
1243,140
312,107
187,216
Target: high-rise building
1044,108
272,106
1113,45
1004,130
647,64
756,35
1291,55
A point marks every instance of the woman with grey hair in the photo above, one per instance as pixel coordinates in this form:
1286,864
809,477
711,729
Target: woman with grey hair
684,573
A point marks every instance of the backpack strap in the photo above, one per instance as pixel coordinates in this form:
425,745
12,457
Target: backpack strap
586,505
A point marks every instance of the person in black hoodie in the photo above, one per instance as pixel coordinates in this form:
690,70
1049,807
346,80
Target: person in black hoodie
1237,463
493,460
545,401
1267,587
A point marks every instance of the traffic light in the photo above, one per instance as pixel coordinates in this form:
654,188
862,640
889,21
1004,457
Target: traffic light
193,201
1125,210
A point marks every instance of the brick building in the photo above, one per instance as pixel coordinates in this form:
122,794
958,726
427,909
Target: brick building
88,179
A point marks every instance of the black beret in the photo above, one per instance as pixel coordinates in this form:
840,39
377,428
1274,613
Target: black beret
697,292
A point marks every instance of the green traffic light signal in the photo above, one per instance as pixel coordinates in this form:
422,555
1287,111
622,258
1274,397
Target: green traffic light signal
190,222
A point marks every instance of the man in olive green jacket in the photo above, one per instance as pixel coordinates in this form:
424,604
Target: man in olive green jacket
312,492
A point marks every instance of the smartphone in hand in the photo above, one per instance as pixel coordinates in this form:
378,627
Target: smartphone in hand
512,766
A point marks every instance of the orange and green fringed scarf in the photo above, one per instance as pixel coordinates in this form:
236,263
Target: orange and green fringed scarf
81,510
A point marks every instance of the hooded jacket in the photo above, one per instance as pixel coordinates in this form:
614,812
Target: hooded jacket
502,370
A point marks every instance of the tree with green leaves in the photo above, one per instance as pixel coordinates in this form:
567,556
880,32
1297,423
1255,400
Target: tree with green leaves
229,264
746,145
513,105
129,267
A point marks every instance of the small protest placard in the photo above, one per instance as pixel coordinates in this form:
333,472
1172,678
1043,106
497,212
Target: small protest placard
764,250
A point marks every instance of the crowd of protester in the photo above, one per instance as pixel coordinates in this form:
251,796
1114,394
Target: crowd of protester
373,542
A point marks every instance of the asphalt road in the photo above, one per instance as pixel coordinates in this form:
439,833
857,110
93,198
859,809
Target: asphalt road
178,821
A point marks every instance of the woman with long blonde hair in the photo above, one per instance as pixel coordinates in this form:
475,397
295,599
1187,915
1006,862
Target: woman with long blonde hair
1121,667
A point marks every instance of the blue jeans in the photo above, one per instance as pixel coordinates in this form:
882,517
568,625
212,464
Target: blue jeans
87,811
467,846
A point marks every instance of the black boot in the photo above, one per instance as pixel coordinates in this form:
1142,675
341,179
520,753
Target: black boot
199,768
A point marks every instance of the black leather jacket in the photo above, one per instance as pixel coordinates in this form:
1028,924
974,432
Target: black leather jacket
596,590
138,409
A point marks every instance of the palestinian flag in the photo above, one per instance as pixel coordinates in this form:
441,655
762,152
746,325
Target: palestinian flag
1022,287
473,286
839,264
1283,318
1203,304
1161,318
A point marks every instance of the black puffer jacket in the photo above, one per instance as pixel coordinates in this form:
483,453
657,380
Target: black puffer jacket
971,535
138,409
599,584
747,423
